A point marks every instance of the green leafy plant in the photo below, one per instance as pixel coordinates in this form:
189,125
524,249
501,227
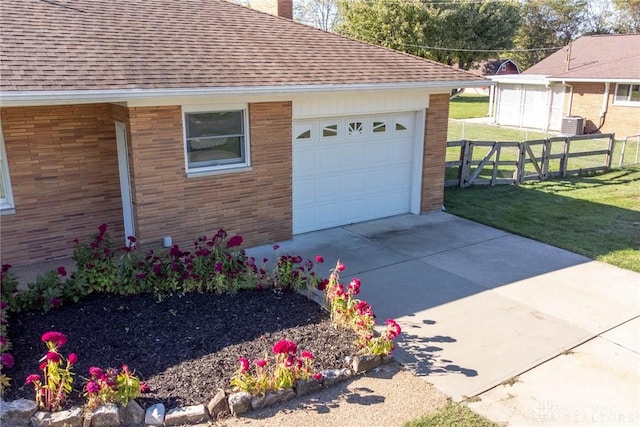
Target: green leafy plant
274,373
96,263
8,289
53,388
112,386
349,312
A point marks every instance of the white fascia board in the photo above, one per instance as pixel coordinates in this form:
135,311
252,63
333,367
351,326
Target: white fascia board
33,98
587,80
522,79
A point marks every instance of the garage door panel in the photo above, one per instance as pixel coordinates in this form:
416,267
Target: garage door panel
354,176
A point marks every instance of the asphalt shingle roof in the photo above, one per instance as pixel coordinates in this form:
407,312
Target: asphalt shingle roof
595,57
57,45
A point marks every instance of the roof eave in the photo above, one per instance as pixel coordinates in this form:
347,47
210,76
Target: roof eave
592,80
33,98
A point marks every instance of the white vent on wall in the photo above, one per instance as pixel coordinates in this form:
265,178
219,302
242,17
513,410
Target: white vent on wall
572,125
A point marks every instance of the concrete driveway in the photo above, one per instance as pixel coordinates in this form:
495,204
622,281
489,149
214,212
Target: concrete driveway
534,334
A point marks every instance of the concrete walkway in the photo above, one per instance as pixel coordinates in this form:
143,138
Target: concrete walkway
535,334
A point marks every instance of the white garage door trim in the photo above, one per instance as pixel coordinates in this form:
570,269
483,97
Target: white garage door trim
356,168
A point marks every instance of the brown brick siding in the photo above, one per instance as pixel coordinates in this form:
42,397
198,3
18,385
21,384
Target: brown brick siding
587,103
435,147
256,204
64,175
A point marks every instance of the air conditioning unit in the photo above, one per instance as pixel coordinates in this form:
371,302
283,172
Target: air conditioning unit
572,125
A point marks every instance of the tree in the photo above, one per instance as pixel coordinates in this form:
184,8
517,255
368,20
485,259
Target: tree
452,32
547,25
629,16
321,14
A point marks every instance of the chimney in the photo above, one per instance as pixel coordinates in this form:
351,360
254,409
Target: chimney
285,9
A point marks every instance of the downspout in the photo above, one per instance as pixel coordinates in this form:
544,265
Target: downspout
570,97
605,107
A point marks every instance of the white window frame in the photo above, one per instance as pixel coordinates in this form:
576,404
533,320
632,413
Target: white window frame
627,102
222,168
6,203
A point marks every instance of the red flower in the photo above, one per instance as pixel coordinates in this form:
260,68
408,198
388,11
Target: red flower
234,241
3,340
96,372
276,247
144,388
55,302
284,347
244,364
319,259
141,275
92,387
53,357
323,285
317,376
354,286
62,271
261,363
7,360
307,354
340,266
73,358
5,267
57,338
42,366
131,239
32,379
394,328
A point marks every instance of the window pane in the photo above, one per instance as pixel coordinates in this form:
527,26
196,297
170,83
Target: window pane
622,92
331,130
214,124
635,93
215,151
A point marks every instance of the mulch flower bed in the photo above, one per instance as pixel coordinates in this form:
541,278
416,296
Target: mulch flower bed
184,346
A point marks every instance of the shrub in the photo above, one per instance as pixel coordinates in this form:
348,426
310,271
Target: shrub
278,372
53,388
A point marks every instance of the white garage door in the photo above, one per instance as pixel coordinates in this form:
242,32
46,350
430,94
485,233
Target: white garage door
351,169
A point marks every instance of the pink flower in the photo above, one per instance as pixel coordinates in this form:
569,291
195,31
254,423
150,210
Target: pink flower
42,366
354,286
62,271
317,376
289,362
244,364
284,347
276,247
394,328
96,372
144,388
32,379
55,302
7,360
102,229
3,305
72,358
340,266
261,363
234,241
57,338
323,285
141,275
307,354
3,340
131,239
92,387
5,267
54,357
319,259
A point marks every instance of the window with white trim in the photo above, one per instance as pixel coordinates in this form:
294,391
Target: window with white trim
216,140
627,94
6,196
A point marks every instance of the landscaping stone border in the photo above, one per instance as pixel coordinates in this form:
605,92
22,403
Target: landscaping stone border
24,412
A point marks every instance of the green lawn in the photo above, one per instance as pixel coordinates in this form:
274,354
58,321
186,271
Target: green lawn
597,216
454,414
459,129
468,106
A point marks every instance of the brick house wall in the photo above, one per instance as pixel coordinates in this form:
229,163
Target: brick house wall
587,103
256,204
64,175
435,147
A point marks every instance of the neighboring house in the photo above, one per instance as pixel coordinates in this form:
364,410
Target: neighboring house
490,68
175,118
591,86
